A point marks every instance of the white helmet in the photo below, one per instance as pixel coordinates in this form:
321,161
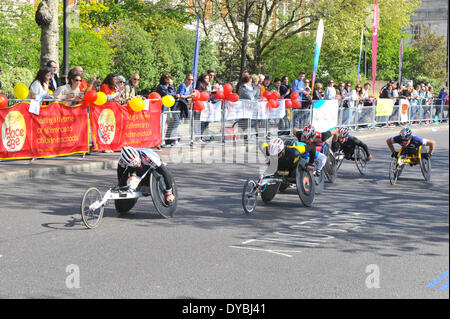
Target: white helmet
130,156
276,145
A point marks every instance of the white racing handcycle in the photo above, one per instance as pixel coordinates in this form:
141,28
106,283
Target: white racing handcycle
125,197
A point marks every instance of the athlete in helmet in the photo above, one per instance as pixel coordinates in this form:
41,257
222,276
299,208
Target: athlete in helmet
288,155
347,143
309,135
410,143
137,162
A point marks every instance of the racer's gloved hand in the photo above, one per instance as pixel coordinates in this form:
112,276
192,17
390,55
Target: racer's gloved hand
394,154
426,155
309,167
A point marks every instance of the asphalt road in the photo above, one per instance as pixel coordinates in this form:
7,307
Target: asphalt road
363,238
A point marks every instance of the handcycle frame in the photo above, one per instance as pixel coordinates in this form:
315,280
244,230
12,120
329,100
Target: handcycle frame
267,187
398,163
92,210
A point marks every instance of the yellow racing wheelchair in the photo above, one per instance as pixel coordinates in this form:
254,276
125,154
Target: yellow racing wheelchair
398,164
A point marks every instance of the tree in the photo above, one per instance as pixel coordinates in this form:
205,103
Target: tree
47,19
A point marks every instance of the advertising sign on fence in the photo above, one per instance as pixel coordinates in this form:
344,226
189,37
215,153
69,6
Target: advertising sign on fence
404,106
325,115
384,107
212,112
114,126
58,130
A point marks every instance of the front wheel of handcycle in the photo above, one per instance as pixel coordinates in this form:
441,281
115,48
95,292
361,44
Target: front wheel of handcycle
158,188
91,214
425,167
249,196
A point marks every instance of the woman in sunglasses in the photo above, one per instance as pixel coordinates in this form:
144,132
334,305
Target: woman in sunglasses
70,93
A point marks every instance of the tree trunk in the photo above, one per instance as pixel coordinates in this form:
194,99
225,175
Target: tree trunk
47,18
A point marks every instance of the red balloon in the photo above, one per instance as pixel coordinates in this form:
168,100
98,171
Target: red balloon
219,95
232,97
227,89
294,95
199,106
154,96
3,101
275,95
204,96
296,104
277,103
272,103
90,96
196,96
267,95
287,104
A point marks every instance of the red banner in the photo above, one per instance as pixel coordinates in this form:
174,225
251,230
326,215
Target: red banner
114,126
58,130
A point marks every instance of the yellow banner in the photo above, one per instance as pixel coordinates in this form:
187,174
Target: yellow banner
384,107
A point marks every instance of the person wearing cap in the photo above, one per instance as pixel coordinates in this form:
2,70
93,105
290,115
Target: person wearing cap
266,82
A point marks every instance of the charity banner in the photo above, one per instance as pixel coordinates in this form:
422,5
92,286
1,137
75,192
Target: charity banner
115,125
404,106
212,112
325,115
58,130
384,107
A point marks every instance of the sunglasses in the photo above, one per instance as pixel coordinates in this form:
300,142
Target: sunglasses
77,80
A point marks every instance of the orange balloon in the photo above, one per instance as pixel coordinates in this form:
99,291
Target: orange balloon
3,101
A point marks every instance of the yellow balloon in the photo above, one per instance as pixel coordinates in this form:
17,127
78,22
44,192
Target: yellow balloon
21,91
137,104
101,98
168,100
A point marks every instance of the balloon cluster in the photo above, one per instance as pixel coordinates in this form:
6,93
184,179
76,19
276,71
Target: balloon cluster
272,98
294,100
199,98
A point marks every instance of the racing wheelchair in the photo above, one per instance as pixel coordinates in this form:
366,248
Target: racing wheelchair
267,186
398,164
125,197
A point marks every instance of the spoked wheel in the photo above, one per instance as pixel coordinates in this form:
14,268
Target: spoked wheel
91,213
339,162
158,189
249,196
360,160
425,167
394,171
305,186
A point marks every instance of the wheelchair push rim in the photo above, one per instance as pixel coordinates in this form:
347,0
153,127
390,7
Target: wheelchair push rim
157,189
425,167
91,215
360,160
393,171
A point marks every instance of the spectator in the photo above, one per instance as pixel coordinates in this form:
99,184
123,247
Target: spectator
84,85
266,82
318,92
330,91
54,81
298,85
109,87
307,84
341,92
185,91
256,85
276,85
415,103
387,93
212,81
359,94
202,86
349,103
307,100
70,93
247,91
285,90
131,88
442,100
121,81
164,88
39,87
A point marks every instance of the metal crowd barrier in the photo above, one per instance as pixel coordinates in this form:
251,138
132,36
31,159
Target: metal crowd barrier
357,115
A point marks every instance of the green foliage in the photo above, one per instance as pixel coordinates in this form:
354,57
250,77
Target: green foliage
14,76
19,36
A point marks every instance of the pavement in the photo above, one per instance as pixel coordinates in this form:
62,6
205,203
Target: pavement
44,167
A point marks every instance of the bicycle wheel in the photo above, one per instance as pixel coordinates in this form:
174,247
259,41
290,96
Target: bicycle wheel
249,196
425,167
90,214
393,171
360,160
158,189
